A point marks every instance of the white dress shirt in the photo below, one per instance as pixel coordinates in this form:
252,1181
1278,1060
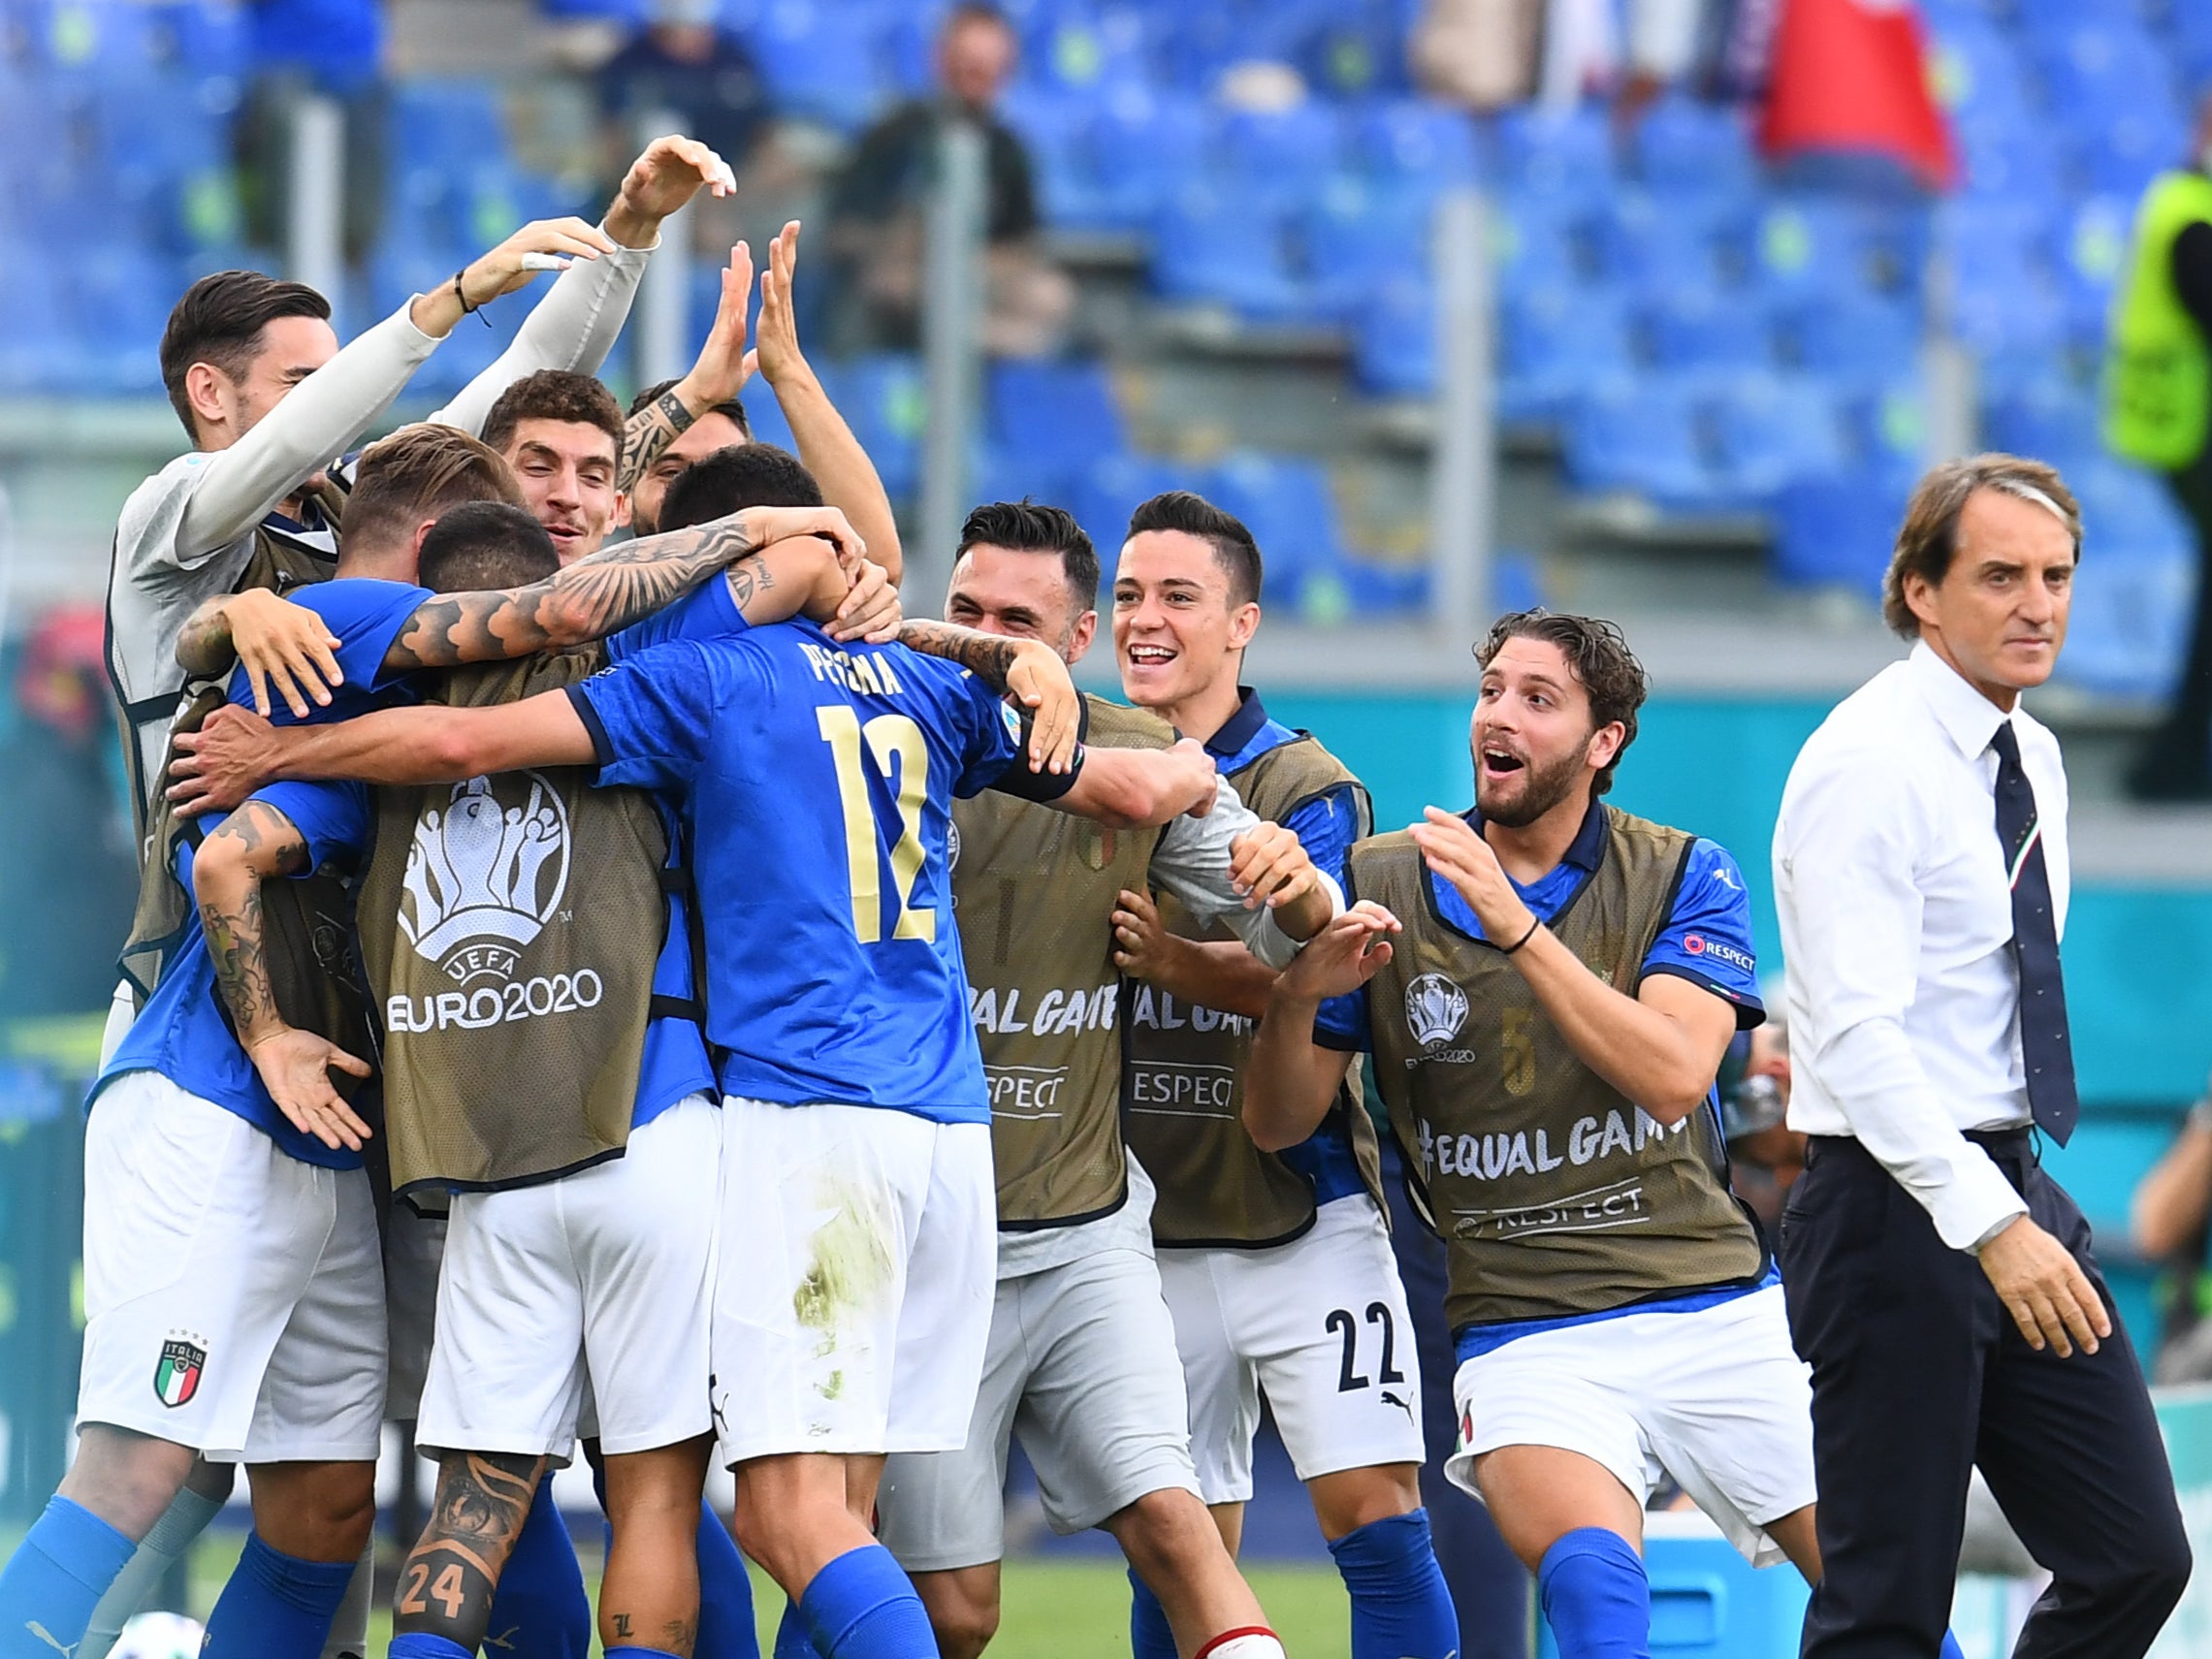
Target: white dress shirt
1896,915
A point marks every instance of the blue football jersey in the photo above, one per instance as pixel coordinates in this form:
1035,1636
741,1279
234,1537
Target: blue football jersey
816,783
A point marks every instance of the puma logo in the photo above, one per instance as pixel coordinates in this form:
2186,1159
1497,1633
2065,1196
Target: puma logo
47,1635
505,1639
1391,1399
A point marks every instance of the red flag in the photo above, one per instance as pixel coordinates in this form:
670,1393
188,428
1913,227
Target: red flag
1853,75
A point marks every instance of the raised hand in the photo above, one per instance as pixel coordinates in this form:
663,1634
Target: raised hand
1039,680
215,768
776,331
667,176
512,265
1342,956
1451,848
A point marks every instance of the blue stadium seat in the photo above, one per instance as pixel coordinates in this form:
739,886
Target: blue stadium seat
1147,145
2009,155
2192,39
1837,532
38,347
2050,421
1866,340
1056,129
881,395
2103,61
1215,244
823,60
1687,146
1394,338
1655,244
120,297
2094,256
205,39
1420,139
1648,437
1279,156
1539,244
1698,327
2127,514
1053,419
1556,345
1290,507
2120,151
2126,632
1359,235
1775,430
1081,48
1829,245
1978,71
1569,156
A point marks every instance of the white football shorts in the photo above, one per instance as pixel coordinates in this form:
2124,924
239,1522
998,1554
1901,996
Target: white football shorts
1082,1366
234,1296
602,1275
1320,1325
853,1304
1715,1397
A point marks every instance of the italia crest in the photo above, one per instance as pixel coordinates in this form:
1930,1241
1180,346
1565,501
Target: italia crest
485,874
1436,1010
176,1374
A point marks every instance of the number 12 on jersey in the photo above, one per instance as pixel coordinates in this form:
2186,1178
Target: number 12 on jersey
887,738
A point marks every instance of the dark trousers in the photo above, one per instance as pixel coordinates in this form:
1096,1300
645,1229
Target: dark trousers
1488,1585
2178,756
1918,1374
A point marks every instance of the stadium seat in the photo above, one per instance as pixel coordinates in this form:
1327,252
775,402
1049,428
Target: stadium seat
1280,156
1566,156
1556,345
1978,71
2126,632
1080,50
1147,145
1829,244
1116,484
1393,337
882,396
1052,419
1775,430
1656,246
1694,327
1866,340
2049,420
1289,505
1687,146
823,60
1837,532
1420,139
1648,437
1539,244
1215,244
2102,60
1359,235
2095,254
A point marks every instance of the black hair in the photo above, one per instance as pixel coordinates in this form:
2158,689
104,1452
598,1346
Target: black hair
1031,526
1232,545
219,321
730,480
733,410
485,544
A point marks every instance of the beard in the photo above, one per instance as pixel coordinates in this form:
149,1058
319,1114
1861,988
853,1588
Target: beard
1542,787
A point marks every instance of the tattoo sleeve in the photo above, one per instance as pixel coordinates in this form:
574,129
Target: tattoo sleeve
446,1586
647,433
990,657
227,880
204,644
590,599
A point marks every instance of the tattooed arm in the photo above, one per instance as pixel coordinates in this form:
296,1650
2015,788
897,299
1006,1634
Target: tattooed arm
447,1583
255,844
598,595
1026,669
716,378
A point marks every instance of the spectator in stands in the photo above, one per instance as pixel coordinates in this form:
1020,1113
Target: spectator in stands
1481,53
682,65
2159,412
876,205
2171,1223
333,49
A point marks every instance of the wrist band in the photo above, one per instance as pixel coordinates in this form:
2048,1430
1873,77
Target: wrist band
1534,923
461,295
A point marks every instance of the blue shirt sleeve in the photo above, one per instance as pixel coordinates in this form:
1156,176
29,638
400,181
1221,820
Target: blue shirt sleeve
1341,1023
650,718
1708,939
708,611
1327,826
331,818
993,737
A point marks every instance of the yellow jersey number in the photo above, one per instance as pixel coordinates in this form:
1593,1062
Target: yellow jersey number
887,738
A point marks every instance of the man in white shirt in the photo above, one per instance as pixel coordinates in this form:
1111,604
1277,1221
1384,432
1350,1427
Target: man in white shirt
1940,1284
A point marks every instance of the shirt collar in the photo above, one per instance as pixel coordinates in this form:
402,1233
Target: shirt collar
1587,850
1242,727
1970,718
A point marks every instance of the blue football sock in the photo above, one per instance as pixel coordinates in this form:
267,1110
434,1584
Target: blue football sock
1593,1592
792,1639
1149,1637
420,1644
541,1606
1400,1608
862,1605
1951,1648
639,1653
55,1578
725,1594
276,1606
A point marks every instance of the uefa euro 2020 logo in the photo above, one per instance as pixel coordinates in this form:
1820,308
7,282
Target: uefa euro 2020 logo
485,874
1436,1010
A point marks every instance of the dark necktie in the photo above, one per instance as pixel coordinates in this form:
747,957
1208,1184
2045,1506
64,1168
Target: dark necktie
2043,1041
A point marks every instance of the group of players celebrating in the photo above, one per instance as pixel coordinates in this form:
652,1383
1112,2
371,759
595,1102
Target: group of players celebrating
701,956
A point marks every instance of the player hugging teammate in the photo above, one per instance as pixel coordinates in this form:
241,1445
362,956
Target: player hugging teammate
649,996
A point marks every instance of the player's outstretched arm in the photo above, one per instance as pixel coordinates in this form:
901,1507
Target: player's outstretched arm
236,752
1133,789
720,373
1211,973
254,845
596,596
1291,1080
1028,670
280,643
